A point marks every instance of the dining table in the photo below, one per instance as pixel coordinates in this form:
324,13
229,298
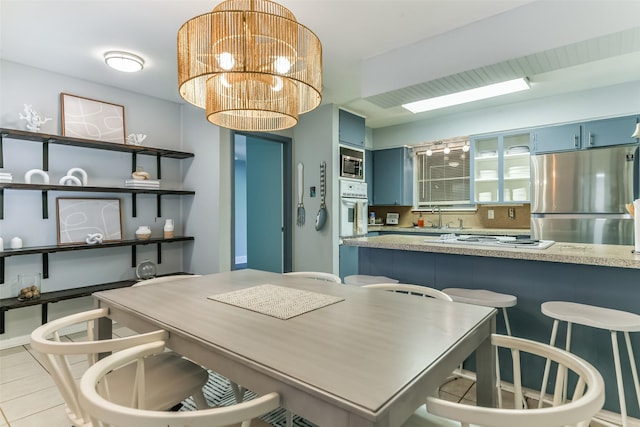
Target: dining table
338,355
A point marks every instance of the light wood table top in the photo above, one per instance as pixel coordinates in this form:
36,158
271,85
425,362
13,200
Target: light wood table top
368,360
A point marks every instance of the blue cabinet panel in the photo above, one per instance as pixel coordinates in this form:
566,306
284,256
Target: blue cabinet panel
368,173
600,133
393,177
555,138
348,261
351,129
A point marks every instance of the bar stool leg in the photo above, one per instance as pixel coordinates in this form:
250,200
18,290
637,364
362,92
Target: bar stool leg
547,365
632,362
289,416
616,359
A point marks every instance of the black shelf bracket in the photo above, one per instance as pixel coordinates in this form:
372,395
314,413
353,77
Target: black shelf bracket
1,203
45,155
133,257
45,265
1,151
159,205
134,212
1,270
45,204
159,249
134,161
158,167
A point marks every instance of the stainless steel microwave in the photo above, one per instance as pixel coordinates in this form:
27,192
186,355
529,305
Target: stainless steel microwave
351,163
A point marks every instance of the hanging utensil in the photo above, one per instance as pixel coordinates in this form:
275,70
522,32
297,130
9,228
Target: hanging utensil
301,214
321,218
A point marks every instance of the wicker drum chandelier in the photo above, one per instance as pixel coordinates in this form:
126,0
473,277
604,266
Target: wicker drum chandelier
250,65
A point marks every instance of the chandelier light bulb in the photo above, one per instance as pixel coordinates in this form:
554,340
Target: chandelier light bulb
465,147
429,152
282,65
226,61
446,150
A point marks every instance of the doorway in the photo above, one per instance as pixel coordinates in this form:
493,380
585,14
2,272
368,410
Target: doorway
262,235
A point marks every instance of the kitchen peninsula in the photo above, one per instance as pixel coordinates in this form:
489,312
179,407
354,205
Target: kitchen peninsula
602,275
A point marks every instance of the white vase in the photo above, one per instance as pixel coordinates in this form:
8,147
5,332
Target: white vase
168,229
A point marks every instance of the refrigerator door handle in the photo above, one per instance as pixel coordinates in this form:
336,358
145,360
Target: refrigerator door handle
636,173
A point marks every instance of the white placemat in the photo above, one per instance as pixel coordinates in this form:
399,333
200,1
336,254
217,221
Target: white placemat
276,301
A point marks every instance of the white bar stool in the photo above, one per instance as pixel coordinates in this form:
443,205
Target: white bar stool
363,279
601,318
487,298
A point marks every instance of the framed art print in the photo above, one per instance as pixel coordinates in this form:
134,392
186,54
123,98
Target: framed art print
91,119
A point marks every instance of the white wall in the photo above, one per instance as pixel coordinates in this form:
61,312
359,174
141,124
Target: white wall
315,140
168,125
613,101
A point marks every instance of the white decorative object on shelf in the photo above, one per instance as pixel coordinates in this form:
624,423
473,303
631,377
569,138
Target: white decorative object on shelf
84,178
94,238
40,172
70,180
1,244
136,138
168,229
140,175
143,232
16,243
33,118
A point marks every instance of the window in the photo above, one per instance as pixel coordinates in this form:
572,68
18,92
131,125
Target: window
442,174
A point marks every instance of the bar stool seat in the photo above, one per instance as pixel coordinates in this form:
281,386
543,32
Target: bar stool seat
608,319
486,298
363,279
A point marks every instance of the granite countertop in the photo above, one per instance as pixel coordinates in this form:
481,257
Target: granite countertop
472,230
570,253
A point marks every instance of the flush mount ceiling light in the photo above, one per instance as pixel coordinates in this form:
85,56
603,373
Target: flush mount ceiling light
123,61
470,95
250,65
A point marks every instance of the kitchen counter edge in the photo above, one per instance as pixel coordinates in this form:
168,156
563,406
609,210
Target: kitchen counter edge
571,253
438,231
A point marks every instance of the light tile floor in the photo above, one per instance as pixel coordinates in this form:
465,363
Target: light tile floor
29,398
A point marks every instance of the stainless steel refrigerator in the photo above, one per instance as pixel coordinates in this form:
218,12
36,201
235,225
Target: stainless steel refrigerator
580,196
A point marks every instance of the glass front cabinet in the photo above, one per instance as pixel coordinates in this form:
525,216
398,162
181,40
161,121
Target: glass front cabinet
501,168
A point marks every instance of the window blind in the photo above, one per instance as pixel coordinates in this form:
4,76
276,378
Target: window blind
442,179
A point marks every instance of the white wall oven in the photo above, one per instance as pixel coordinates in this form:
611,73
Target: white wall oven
351,163
353,208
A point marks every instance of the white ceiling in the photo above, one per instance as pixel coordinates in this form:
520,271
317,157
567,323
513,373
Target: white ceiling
376,54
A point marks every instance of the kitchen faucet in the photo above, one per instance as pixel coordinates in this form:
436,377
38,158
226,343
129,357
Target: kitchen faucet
439,215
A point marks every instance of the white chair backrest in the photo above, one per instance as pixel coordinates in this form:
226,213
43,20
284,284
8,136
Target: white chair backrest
46,341
588,394
163,279
318,275
410,290
106,413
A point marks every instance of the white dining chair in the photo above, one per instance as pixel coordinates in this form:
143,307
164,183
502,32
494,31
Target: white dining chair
587,396
105,412
317,275
408,289
170,378
163,279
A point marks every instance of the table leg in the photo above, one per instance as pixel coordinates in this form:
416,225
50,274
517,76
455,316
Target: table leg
486,370
104,331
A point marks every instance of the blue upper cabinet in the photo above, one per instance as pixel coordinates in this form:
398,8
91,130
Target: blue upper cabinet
368,173
600,133
351,129
596,133
555,138
393,177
